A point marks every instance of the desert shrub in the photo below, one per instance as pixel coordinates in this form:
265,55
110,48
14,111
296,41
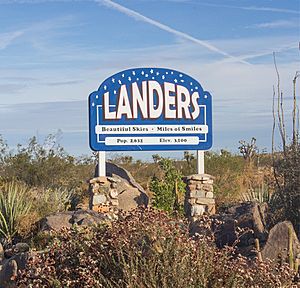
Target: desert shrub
286,199
51,200
14,205
146,248
21,207
228,170
168,189
47,165
285,202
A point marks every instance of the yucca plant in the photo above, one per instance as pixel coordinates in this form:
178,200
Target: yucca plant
260,194
14,204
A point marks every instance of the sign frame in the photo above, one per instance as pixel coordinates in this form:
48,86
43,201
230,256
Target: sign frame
158,130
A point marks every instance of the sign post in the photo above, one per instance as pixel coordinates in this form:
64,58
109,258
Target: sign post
148,109
200,162
101,163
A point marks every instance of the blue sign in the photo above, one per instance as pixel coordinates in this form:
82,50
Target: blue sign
147,109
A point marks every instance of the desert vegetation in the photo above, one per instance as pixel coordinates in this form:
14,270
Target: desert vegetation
152,247
146,248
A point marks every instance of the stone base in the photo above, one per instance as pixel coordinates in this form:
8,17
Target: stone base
199,198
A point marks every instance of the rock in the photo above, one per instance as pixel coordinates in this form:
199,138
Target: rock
21,247
197,194
16,250
99,199
113,193
199,177
205,201
113,169
197,210
250,215
209,195
1,253
101,209
131,198
113,185
8,273
87,217
99,179
278,242
123,188
113,180
60,220
114,202
21,259
56,221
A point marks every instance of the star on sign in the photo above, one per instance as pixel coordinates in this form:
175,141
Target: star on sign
113,80
151,71
175,80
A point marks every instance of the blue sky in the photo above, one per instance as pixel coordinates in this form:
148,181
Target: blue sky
54,53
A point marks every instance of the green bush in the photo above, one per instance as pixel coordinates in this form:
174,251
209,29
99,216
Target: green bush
168,190
146,248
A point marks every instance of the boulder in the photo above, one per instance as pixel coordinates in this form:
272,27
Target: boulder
8,273
16,249
131,198
125,189
114,169
251,215
57,221
277,245
87,218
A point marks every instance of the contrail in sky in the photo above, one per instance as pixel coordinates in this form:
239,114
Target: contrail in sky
7,38
137,16
251,8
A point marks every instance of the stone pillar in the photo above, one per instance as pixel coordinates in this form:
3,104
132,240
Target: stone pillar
199,197
104,195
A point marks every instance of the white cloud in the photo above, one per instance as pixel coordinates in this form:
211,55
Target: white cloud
137,16
295,23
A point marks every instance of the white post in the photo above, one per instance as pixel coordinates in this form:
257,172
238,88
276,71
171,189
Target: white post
101,164
200,162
